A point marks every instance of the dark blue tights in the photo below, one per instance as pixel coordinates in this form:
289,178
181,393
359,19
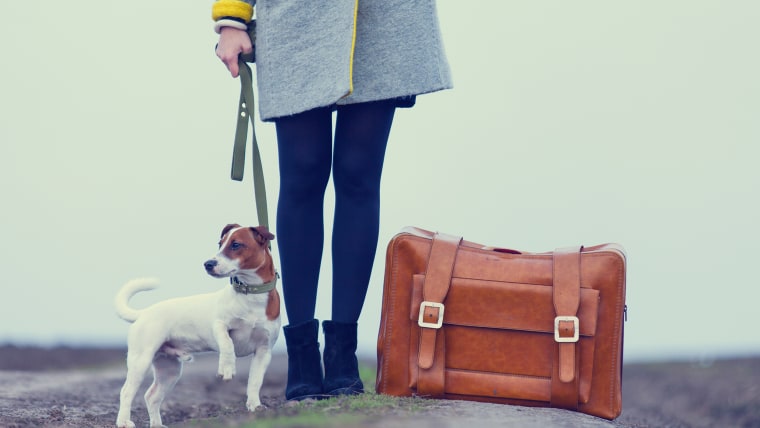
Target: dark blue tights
307,156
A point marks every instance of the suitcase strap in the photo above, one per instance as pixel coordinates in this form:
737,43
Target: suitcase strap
566,298
431,358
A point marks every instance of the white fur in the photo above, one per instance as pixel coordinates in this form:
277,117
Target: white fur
167,333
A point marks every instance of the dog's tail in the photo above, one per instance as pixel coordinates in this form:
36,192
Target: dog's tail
121,302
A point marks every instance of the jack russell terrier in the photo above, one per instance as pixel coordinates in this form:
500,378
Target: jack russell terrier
238,320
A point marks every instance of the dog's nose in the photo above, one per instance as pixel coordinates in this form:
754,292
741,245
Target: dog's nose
209,265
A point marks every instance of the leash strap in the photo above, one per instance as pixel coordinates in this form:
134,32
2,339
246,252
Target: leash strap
245,115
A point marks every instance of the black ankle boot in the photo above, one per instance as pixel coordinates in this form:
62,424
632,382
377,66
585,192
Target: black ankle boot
341,365
304,366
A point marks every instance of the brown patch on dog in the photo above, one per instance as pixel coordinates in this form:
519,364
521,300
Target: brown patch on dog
273,305
262,234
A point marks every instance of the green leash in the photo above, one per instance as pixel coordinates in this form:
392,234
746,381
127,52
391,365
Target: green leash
246,115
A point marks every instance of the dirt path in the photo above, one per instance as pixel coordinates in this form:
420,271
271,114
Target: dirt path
724,393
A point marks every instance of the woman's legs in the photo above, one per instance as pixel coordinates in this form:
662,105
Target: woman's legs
304,144
361,135
307,156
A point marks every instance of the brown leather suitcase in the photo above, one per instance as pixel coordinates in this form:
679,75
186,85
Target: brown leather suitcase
465,321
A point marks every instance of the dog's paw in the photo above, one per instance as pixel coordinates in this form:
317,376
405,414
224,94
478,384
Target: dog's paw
225,376
125,424
255,405
226,371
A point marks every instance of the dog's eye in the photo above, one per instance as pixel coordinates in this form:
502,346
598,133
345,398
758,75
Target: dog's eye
236,246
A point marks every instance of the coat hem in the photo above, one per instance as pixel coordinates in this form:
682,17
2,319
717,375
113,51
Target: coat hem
402,101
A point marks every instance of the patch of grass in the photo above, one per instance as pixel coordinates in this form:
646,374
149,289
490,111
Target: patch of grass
338,412
309,419
368,375
335,412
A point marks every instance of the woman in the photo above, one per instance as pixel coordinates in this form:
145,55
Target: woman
362,59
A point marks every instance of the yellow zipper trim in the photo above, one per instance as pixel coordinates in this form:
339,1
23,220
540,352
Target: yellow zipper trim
353,49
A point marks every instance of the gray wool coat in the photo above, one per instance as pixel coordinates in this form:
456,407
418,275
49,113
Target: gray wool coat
319,53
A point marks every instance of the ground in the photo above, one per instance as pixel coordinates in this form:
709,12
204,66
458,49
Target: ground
72,387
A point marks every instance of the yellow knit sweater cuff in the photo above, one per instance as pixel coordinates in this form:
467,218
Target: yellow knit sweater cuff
232,9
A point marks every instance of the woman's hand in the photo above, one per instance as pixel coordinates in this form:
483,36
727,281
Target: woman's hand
232,42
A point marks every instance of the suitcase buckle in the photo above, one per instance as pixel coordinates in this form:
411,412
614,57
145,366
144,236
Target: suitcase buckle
421,321
562,339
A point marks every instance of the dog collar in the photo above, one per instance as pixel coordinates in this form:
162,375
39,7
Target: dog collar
244,288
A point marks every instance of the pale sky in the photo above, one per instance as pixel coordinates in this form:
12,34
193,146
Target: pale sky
570,123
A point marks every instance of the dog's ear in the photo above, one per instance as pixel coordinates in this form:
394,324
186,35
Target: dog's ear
262,234
228,228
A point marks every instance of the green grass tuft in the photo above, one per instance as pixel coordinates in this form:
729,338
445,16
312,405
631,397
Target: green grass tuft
335,412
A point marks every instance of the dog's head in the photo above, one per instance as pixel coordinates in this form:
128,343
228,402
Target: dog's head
242,249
